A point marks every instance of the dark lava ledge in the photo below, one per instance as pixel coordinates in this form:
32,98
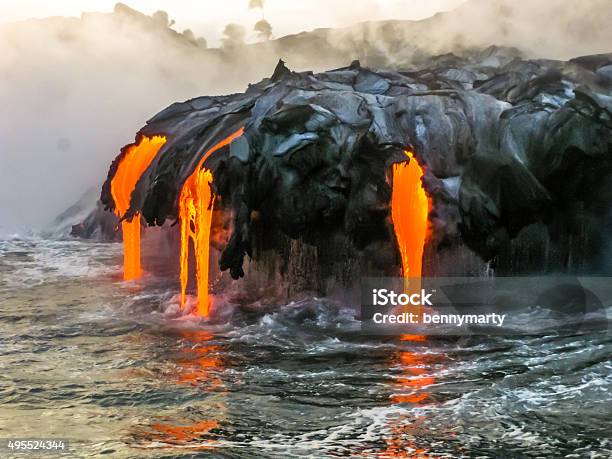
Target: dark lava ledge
517,157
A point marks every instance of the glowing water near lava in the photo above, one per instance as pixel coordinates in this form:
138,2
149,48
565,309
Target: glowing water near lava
195,210
409,209
135,161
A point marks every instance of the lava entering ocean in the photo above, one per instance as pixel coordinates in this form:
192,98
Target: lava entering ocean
409,210
316,166
409,214
195,210
134,162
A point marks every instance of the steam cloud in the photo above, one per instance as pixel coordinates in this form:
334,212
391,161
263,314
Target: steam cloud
263,29
75,90
256,4
233,36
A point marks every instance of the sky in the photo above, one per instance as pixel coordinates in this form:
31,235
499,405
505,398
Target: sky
207,18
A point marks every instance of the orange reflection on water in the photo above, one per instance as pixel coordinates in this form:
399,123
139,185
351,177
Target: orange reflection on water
416,338
411,387
414,380
401,443
197,364
184,434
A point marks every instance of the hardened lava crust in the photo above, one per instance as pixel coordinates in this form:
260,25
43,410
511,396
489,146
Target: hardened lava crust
516,153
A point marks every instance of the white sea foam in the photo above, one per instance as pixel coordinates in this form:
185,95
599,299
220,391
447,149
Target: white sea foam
32,260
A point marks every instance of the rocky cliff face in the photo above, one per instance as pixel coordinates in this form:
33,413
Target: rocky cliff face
517,157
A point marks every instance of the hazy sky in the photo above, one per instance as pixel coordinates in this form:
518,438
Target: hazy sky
207,18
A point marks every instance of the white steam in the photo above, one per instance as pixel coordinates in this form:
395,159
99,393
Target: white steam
73,91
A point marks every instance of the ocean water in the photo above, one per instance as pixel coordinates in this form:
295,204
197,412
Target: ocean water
115,369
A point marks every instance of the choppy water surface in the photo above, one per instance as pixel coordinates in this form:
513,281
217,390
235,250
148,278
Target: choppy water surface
109,366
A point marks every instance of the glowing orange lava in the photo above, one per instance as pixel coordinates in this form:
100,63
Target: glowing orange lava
409,209
195,211
135,161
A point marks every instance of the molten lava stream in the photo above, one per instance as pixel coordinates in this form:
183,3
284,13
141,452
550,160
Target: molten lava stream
195,211
409,209
133,164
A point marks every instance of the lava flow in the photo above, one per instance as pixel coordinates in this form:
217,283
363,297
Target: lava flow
195,210
409,210
134,162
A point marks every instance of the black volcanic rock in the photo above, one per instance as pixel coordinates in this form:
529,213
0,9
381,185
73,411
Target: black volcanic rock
99,224
517,156
86,219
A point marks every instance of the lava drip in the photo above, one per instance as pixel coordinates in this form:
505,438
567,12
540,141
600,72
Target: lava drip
196,204
132,165
409,211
